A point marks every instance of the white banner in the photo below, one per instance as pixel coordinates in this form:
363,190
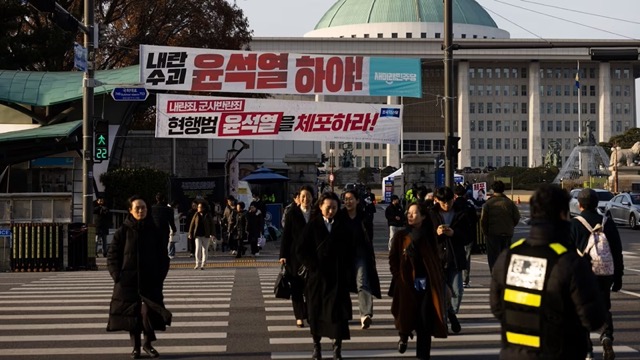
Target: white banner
207,117
235,71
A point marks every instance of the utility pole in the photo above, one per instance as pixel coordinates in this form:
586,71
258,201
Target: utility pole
88,84
450,144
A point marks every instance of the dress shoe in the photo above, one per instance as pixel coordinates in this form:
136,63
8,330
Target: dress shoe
135,354
150,351
607,348
299,323
402,346
365,321
337,350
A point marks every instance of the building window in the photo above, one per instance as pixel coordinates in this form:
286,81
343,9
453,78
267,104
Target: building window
626,73
473,143
558,90
575,126
489,108
366,36
567,90
438,145
489,160
424,146
437,36
332,144
497,72
409,146
367,146
507,161
558,125
367,161
358,145
507,126
409,35
464,36
567,126
489,144
480,108
627,90
523,108
489,73
489,91
480,87
358,161
524,144
523,73
480,144
499,108
498,125
481,161
627,108
523,90
592,73
558,108
515,125
423,35
480,73
617,90
472,125
592,108
384,161
472,73
393,36
507,144
567,108
384,146
376,146
472,108
549,126
380,35
524,125
498,144
524,161
353,36
480,125
471,89
592,90
376,162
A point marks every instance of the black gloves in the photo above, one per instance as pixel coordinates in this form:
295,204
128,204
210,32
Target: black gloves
617,284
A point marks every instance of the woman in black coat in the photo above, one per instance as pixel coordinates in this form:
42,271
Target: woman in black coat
295,221
328,253
138,263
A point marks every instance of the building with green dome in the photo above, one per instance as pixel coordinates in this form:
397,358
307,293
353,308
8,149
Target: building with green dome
510,101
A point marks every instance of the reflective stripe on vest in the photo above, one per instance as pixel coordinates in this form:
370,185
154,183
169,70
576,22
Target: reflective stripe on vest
523,339
522,297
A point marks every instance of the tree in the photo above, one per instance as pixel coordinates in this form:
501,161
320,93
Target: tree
36,43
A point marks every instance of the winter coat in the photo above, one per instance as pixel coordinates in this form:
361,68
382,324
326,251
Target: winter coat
405,305
580,237
451,249
163,218
138,263
329,258
390,214
571,305
241,229
499,216
292,238
209,226
362,241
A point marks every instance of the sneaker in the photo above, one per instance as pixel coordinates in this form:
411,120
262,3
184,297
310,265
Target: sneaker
466,285
171,256
455,323
589,356
256,254
201,267
196,267
365,321
233,252
607,349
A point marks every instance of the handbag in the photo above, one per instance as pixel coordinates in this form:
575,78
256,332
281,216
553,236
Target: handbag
282,288
262,241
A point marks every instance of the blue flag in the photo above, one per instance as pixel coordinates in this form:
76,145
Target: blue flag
578,80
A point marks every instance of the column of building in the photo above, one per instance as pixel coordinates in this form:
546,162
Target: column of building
605,122
464,127
535,136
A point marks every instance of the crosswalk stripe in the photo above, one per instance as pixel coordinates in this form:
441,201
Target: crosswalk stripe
105,316
50,351
100,307
71,301
110,336
102,325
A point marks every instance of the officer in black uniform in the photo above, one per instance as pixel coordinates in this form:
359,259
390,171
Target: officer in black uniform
544,294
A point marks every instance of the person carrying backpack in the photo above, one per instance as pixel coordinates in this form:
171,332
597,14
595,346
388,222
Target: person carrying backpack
606,232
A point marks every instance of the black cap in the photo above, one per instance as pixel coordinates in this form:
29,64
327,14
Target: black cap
588,199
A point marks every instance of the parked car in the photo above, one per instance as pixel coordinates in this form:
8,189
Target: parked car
487,169
603,197
624,209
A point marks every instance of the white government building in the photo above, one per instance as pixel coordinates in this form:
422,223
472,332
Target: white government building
511,101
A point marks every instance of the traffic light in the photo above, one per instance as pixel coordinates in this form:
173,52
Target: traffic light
101,140
453,149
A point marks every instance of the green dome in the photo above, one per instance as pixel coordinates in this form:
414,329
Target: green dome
354,12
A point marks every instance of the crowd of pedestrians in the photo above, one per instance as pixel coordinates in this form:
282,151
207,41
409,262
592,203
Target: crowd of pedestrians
327,250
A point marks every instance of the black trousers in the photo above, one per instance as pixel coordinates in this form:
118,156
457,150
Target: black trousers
144,326
297,298
495,245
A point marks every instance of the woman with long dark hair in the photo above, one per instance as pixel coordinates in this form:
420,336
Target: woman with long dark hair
295,221
138,264
419,297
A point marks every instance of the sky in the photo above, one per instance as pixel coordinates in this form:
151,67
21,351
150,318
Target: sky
546,19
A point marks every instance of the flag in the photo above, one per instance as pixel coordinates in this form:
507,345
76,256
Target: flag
577,80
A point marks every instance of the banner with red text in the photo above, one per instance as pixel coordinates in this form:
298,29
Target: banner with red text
206,117
191,69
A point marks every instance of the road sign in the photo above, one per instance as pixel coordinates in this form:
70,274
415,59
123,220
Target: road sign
130,94
5,232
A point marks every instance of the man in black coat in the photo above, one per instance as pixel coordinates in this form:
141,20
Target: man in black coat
544,294
395,217
162,215
588,203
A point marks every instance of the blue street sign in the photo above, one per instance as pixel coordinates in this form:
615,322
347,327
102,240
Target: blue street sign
130,94
5,232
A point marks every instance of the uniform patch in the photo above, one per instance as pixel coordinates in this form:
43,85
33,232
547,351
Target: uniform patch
527,272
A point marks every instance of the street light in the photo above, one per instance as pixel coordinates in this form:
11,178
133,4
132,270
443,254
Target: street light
331,176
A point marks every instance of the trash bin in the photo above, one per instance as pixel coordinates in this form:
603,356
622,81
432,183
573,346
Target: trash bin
78,247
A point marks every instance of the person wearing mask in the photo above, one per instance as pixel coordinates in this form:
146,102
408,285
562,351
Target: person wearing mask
395,217
588,204
367,280
162,215
138,264
327,251
542,292
102,218
498,219
228,224
454,231
201,229
241,231
419,293
296,220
